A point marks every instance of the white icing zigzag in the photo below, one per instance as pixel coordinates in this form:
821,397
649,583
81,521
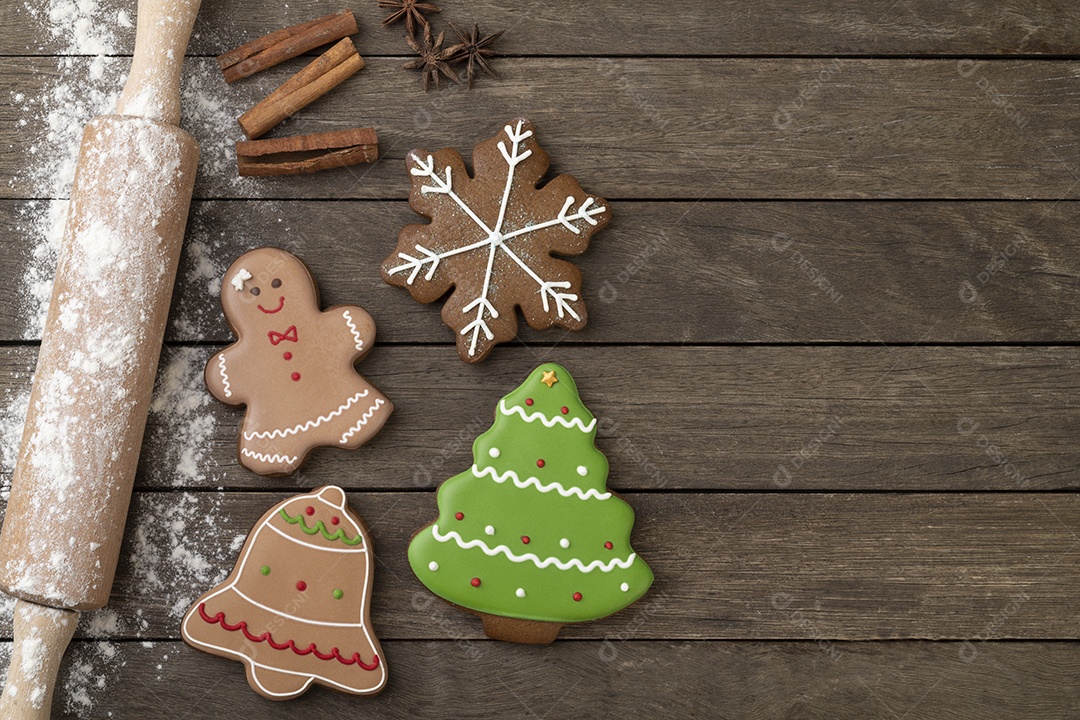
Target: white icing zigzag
354,331
262,457
224,376
532,557
548,422
304,427
557,487
362,421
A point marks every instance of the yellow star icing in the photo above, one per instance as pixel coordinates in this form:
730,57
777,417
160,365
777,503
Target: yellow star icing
549,378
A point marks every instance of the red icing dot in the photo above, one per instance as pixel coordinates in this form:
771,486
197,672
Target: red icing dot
301,585
459,516
539,463
577,597
310,510
525,539
608,545
475,582
565,410
287,356
335,520
295,376
528,401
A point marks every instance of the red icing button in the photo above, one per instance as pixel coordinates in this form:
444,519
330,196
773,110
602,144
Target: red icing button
525,539
310,510
528,401
459,516
334,521
539,463
608,545
577,597
476,582
296,376
301,585
565,410
287,356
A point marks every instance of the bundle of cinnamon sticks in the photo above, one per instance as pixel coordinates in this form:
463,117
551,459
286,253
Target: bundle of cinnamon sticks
302,153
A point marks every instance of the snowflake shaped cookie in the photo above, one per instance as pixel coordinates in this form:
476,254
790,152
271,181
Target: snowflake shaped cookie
492,238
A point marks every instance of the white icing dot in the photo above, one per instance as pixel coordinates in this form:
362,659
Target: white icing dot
490,530
582,470
565,543
520,592
624,587
494,452
433,566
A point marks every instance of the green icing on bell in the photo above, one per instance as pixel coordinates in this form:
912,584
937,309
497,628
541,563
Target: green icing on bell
538,527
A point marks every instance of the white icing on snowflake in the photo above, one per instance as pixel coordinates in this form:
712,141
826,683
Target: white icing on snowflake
495,239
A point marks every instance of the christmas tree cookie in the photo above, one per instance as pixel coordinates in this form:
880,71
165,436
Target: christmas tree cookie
295,609
529,537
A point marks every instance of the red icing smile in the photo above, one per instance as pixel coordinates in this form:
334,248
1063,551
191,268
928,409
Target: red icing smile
281,304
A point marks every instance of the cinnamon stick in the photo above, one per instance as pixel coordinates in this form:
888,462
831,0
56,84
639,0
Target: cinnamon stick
281,45
303,154
326,72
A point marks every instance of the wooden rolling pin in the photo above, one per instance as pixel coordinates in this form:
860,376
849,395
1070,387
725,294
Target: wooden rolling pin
99,354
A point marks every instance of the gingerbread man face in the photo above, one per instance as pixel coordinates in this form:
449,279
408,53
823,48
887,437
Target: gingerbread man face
292,365
265,289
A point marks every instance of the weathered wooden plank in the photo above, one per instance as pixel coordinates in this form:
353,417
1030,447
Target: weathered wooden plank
705,418
695,27
728,566
850,681
659,128
711,272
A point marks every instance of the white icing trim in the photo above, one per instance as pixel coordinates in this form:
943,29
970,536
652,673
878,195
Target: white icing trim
495,238
263,457
548,422
224,375
531,557
305,426
370,413
296,618
354,331
239,279
249,661
557,487
290,538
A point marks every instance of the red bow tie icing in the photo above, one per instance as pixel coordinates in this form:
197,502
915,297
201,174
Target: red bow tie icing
276,337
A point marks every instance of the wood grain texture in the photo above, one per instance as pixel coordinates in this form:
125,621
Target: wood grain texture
761,418
638,27
720,128
897,272
762,566
915,680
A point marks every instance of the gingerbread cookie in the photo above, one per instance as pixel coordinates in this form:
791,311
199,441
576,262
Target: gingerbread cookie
529,537
292,365
295,609
492,238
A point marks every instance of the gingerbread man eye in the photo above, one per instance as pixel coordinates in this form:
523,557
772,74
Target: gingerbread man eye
254,291
276,283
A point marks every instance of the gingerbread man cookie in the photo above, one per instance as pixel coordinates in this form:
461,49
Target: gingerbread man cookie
295,609
292,365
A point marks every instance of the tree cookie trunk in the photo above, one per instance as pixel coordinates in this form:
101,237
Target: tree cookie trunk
530,632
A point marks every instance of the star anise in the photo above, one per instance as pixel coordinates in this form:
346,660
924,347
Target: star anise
474,49
433,59
411,10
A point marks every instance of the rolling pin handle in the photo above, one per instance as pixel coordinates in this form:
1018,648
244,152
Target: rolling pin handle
41,636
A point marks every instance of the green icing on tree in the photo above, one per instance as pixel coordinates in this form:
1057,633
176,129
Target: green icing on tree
531,530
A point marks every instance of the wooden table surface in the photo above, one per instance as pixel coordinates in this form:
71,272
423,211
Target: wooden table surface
833,341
